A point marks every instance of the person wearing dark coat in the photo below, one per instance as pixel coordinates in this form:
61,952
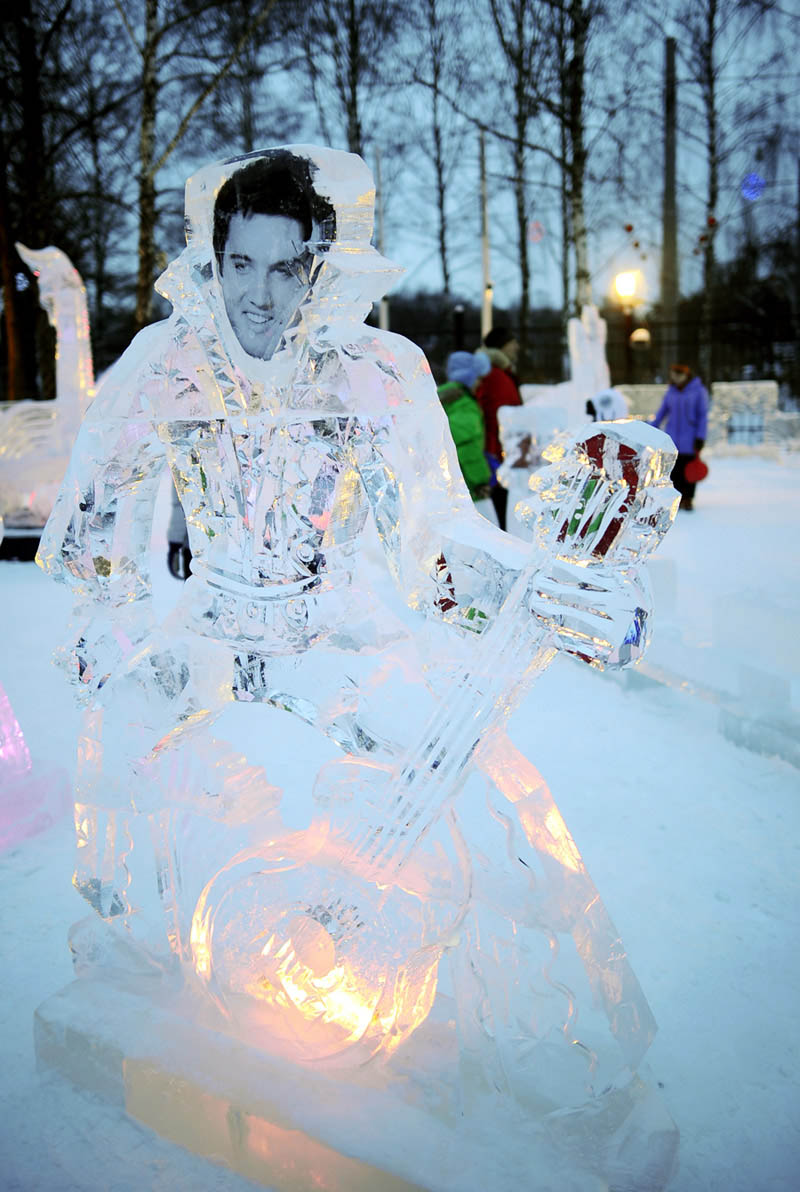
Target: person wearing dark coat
685,410
498,389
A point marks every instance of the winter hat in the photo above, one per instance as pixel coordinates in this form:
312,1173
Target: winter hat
465,368
484,364
498,337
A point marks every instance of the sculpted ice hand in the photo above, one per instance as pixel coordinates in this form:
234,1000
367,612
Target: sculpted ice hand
603,503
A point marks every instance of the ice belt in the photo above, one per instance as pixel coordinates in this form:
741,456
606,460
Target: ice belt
277,618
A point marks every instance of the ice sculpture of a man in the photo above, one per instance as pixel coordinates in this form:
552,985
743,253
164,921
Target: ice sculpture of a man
287,424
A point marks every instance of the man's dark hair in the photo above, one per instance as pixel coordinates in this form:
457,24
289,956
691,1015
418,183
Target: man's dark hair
277,184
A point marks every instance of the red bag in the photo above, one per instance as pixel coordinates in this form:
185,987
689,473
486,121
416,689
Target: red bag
696,470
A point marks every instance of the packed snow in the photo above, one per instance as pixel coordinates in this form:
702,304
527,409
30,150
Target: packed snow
691,838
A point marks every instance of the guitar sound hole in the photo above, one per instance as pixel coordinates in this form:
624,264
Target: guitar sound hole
312,945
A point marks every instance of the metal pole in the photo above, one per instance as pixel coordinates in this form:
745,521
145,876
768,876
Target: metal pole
486,305
458,327
628,312
669,248
383,306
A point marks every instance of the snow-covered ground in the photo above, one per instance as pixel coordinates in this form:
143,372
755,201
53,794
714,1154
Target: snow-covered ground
692,840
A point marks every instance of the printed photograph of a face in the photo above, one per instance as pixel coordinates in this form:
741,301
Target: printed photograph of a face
262,223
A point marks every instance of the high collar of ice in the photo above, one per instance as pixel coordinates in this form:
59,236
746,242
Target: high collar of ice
348,275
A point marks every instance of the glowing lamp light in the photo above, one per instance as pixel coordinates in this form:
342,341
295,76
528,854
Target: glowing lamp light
625,284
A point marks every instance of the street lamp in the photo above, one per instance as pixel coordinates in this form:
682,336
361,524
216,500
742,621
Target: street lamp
627,286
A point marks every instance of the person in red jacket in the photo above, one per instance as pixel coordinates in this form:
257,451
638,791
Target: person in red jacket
498,388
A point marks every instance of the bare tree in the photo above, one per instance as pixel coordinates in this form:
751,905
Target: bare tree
171,34
347,59
523,46
441,66
28,186
715,35
59,96
251,104
545,51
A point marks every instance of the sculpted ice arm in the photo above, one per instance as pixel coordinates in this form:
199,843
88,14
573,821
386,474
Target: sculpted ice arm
97,540
452,563
447,560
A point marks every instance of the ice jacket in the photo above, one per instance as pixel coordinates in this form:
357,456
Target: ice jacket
466,426
278,463
497,389
686,414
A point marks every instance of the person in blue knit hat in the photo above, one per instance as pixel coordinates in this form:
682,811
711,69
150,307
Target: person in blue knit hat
464,414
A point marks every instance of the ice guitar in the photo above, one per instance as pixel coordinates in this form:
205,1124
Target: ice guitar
325,945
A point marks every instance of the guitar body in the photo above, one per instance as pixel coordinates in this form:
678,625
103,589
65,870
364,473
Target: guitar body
324,946
310,959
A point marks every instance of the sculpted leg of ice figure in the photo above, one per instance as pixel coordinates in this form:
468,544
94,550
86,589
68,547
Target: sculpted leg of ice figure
540,974
167,698
148,758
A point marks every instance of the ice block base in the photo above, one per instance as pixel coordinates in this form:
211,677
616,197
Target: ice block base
384,1128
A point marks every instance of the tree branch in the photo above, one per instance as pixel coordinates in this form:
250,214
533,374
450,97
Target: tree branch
493,132
128,26
212,85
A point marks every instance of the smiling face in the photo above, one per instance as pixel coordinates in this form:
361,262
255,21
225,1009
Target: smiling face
264,279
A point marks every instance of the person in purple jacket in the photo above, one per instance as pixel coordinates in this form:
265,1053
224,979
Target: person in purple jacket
685,408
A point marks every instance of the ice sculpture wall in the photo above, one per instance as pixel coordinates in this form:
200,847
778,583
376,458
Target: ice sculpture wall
32,797
432,866
589,374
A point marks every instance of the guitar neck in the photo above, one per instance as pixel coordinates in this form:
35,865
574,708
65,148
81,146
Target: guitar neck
431,773
616,474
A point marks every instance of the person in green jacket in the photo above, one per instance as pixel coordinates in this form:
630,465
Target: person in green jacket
464,370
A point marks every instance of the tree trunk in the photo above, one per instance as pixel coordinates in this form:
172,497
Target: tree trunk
98,223
706,345
34,220
354,137
147,181
520,198
436,46
669,241
566,243
248,106
521,113
15,386
579,30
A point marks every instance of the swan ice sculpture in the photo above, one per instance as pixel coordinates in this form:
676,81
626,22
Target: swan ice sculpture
36,437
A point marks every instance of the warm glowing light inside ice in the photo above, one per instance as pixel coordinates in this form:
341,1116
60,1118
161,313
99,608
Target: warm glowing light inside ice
338,998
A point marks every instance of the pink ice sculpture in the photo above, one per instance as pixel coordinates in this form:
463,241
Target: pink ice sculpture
31,797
